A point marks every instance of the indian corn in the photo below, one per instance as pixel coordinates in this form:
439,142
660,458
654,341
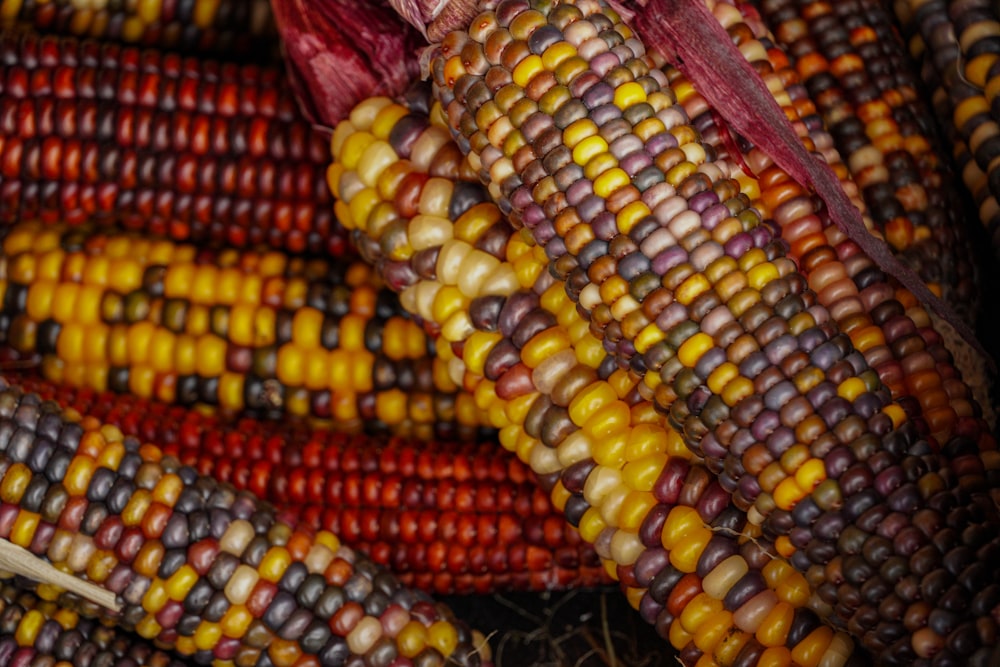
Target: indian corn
956,46
443,516
854,65
35,632
688,549
207,571
577,137
240,28
195,150
236,330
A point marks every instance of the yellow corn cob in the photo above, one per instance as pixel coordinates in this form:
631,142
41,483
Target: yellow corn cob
234,330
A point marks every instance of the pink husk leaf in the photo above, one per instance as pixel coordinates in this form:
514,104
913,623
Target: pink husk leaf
338,52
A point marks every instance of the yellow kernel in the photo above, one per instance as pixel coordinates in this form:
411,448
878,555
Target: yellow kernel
579,130
525,71
851,388
647,337
412,639
774,629
810,474
543,345
591,399
629,94
761,274
148,628
809,651
274,564
681,521
591,525
642,473
181,582
556,54
736,390
635,508
694,347
630,215
788,493
610,181
686,552
588,148
442,636
713,630
207,636
155,598
721,376
698,611
386,119
896,413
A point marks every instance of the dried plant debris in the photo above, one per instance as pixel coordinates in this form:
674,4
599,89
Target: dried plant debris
579,628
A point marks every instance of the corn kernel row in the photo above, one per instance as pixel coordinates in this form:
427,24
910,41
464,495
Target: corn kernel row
444,516
231,28
233,330
156,144
212,573
578,137
661,561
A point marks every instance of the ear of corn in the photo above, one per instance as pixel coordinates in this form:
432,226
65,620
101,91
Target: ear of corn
842,277
36,632
188,149
671,542
231,28
855,67
209,572
444,516
238,331
955,45
560,88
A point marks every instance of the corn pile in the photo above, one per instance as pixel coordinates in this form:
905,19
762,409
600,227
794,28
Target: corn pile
716,398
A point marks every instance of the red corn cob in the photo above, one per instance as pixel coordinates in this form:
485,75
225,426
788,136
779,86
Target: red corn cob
195,151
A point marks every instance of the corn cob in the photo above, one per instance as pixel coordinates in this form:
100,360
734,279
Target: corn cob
956,71
434,163
960,39
546,93
663,560
175,147
829,261
34,633
460,518
855,67
207,571
239,331
230,28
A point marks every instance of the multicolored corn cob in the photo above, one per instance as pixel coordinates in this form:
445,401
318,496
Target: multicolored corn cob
234,330
189,149
855,67
200,568
443,516
575,133
231,28
826,257
691,551
34,633
956,46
